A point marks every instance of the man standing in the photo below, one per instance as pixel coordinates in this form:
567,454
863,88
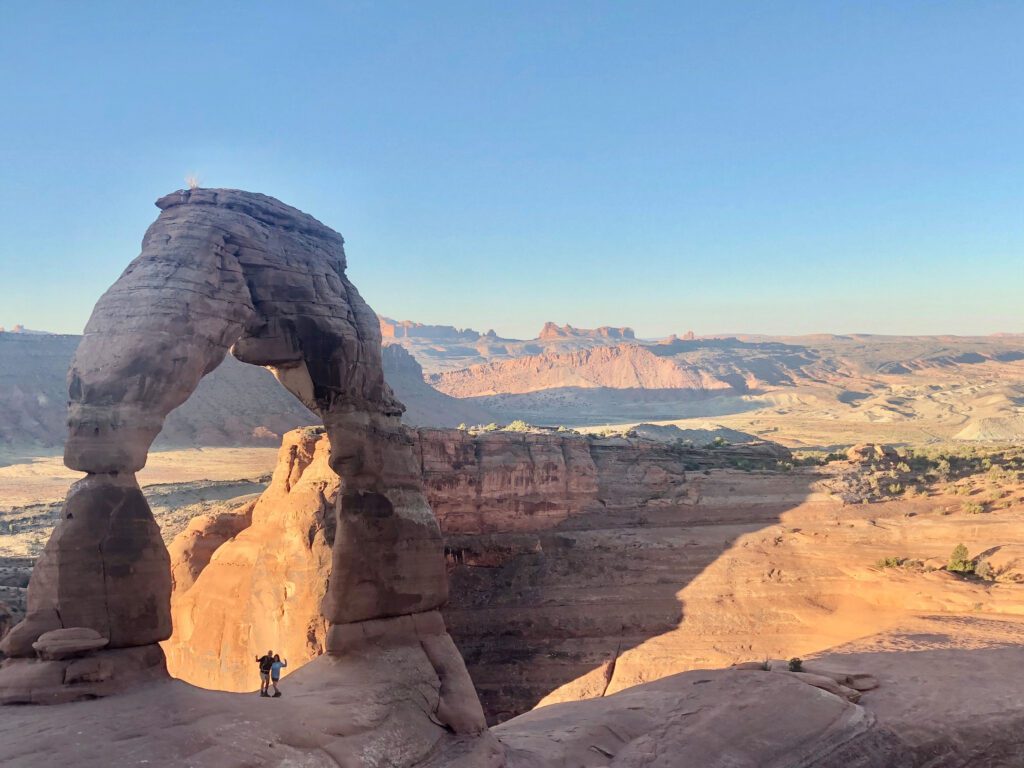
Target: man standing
266,662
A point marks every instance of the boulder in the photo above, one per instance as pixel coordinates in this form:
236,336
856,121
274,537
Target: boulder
68,643
872,453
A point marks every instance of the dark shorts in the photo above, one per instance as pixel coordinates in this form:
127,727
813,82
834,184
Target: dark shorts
275,679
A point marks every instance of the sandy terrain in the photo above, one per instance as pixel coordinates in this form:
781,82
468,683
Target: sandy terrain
918,409
37,480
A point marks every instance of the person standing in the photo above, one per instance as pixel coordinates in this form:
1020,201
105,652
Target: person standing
266,663
275,673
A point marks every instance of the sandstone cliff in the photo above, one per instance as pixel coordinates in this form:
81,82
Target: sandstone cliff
581,567
620,367
254,577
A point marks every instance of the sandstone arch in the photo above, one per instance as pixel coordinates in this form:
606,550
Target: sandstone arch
226,270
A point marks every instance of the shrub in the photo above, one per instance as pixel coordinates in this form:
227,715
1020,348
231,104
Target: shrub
983,570
895,488
972,508
796,664
890,562
518,426
960,560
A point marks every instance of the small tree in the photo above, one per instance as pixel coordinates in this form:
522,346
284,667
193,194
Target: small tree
960,560
796,664
984,570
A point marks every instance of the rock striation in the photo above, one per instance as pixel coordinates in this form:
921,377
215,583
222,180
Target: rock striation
226,270
507,503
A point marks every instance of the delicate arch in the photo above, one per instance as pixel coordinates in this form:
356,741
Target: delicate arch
228,270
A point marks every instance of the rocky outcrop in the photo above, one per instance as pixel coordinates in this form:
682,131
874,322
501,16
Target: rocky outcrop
404,329
254,578
220,270
257,574
552,331
708,718
626,366
508,504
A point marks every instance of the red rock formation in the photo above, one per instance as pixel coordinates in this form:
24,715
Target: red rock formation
220,270
551,331
254,579
626,366
404,329
493,494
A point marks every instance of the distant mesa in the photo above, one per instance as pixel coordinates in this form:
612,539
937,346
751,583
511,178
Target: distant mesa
550,331
688,336
404,329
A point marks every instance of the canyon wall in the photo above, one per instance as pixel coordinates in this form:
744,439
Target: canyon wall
508,505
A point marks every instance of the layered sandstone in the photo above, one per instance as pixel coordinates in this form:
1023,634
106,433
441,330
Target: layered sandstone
626,366
582,566
228,270
253,578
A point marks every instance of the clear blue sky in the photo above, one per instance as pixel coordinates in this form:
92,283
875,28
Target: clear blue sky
776,167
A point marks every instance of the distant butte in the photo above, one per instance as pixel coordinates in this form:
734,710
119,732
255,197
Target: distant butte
552,331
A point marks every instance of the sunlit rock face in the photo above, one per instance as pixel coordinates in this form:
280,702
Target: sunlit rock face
507,503
226,270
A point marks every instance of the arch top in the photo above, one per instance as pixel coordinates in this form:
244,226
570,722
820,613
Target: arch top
221,269
263,208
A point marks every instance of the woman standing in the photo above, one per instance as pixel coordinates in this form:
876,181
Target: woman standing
275,673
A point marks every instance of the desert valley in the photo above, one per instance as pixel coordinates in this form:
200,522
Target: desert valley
662,405
624,520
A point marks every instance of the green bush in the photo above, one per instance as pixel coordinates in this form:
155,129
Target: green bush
518,426
972,508
796,664
960,560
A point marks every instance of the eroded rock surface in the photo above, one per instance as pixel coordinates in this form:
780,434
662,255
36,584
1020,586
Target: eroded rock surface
517,511
228,270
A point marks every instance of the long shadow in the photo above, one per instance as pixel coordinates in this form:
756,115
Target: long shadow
539,608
